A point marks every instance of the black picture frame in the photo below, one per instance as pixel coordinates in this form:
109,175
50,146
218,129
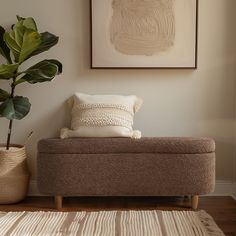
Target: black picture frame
94,65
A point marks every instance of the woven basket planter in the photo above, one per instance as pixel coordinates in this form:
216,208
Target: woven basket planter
14,174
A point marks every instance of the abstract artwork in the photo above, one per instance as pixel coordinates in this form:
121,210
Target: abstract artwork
144,33
142,27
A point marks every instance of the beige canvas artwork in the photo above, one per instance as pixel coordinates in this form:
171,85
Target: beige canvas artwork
142,27
144,33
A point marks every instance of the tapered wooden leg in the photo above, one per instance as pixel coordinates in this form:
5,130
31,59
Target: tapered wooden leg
58,201
195,202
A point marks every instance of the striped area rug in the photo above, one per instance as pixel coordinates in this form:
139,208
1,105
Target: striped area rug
109,223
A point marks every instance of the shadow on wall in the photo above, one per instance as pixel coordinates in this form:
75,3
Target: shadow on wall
82,24
230,52
46,126
230,33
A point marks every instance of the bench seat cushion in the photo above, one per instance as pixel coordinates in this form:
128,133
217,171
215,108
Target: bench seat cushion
177,145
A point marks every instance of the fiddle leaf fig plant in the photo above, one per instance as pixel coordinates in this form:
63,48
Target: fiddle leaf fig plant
19,44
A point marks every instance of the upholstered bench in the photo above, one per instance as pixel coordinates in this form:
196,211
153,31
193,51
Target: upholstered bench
126,167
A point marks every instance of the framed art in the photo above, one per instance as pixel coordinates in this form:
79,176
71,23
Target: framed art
144,33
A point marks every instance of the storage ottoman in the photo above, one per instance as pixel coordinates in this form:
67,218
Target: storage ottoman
126,167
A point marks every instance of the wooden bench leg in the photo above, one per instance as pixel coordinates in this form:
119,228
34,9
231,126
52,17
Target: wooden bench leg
58,201
195,202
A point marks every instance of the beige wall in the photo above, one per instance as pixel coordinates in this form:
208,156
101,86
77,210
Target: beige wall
176,102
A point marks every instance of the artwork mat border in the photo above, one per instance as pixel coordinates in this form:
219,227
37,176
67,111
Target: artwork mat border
146,67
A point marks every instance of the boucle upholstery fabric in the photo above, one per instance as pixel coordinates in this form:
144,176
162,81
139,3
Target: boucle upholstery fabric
126,145
145,167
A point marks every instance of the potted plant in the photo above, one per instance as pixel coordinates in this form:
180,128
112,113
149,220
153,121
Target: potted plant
19,44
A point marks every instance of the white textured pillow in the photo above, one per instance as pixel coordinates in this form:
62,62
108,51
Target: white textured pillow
102,116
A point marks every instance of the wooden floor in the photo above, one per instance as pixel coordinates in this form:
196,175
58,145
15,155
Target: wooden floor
222,209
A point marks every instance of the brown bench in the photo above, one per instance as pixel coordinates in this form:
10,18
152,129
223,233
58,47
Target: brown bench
126,167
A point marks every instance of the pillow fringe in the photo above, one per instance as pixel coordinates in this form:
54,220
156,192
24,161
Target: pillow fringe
136,134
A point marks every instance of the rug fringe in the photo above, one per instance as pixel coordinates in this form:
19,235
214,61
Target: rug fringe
209,223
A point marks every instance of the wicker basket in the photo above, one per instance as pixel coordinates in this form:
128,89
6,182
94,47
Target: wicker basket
14,174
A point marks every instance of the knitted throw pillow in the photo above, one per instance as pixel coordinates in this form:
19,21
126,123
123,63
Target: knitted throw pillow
102,116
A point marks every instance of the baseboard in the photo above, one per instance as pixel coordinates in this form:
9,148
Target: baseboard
223,188
234,193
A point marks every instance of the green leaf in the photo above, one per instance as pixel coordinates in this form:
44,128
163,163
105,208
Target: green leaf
4,50
15,48
4,95
15,108
19,18
27,22
30,23
48,40
7,71
41,72
58,63
22,41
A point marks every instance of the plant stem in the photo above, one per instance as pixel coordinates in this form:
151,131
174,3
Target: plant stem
11,121
9,134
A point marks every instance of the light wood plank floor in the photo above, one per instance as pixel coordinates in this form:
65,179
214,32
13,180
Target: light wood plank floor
223,209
